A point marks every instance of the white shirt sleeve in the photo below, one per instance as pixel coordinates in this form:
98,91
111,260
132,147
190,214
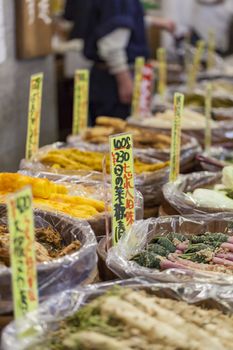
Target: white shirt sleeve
112,49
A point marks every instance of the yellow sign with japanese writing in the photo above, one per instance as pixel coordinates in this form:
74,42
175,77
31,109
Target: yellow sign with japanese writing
208,108
195,67
211,51
176,136
81,101
162,72
22,252
138,76
123,191
34,115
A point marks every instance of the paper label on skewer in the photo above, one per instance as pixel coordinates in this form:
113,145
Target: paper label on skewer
208,109
123,191
162,72
211,51
176,137
138,75
34,115
195,67
81,101
22,252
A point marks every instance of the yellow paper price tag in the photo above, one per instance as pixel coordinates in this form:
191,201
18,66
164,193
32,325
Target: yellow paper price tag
211,51
123,192
208,108
195,67
139,64
34,115
176,136
22,251
81,101
162,72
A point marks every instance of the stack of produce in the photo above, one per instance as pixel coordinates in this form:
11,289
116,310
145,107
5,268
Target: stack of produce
150,173
153,143
219,196
50,196
222,95
107,126
196,248
65,253
193,124
49,245
74,159
201,192
191,120
216,158
129,319
208,252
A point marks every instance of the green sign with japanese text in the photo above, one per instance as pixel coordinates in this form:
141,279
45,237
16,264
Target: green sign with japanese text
123,191
81,101
34,115
22,252
176,137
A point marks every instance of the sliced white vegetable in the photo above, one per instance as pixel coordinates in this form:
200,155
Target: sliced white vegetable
212,199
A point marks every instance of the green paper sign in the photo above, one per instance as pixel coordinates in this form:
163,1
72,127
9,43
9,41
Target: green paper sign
123,192
22,250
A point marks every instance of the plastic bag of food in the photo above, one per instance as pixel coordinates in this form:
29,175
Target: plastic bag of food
189,150
216,158
165,249
223,114
183,194
65,251
171,298
83,201
221,96
193,125
90,185
148,180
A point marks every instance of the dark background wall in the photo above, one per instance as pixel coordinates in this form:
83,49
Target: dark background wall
14,90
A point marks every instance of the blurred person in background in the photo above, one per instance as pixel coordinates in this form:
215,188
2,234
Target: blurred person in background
114,35
214,15
196,18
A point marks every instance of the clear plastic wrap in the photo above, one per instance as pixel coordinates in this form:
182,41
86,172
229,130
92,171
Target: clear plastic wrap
221,96
118,258
149,184
61,273
177,195
89,185
216,159
222,133
189,148
225,114
68,302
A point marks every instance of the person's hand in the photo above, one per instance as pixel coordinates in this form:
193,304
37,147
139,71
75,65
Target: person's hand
162,23
168,24
125,87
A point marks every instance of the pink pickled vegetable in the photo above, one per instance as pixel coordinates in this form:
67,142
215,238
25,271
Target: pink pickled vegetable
182,246
221,261
193,265
228,256
228,246
168,264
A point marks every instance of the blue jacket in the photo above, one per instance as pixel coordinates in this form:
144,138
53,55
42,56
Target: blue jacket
77,11
108,15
